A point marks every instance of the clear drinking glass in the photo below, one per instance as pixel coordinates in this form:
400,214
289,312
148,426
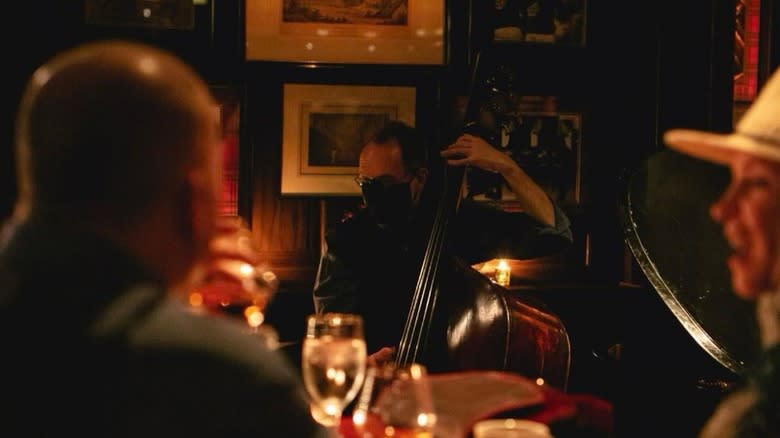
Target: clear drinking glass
334,364
396,401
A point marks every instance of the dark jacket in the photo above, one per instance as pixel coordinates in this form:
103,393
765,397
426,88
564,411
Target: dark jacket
372,271
93,346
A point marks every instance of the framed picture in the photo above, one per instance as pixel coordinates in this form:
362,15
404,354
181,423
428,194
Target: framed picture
543,139
348,32
326,125
548,148
538,21
161,14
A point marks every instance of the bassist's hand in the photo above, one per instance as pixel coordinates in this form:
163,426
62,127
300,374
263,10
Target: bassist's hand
475,151
381,357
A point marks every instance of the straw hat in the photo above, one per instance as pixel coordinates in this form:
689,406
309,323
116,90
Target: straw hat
757,133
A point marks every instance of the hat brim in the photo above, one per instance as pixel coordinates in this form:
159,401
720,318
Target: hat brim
718,148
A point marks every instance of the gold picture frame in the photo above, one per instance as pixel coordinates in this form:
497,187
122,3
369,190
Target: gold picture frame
320,32
326,125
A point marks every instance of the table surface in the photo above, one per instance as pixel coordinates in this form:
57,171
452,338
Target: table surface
464,398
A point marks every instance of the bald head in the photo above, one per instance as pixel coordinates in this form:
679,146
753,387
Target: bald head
109,128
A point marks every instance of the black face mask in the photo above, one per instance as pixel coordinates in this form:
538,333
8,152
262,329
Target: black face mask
389,205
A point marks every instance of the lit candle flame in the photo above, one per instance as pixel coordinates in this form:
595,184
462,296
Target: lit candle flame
503,273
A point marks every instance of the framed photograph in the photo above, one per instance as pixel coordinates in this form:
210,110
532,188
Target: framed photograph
326,125
548,148
539,21
160,14
544,140
346,32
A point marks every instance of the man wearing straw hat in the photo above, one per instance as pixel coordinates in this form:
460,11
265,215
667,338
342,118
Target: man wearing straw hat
749,213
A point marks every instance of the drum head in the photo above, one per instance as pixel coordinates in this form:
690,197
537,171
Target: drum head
665,214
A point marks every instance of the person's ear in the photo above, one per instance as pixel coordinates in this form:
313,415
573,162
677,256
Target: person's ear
418,183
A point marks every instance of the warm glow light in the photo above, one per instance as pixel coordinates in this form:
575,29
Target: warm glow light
309,46
246,269
359,418
323,32
421,32
254,316
196,299
503,273
539,381
371,48
336,376
426,419
370,34
332,409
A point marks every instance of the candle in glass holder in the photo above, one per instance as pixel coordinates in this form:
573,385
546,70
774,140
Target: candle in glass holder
503,273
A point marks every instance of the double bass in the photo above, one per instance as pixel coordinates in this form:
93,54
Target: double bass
459,319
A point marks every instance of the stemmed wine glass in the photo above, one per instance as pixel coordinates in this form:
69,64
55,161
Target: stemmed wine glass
334,364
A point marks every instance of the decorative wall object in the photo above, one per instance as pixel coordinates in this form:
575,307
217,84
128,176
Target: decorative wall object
547,146
325,31
538,21
326,125
543,136
747,24
162,14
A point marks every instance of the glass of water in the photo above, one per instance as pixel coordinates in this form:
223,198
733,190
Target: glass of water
333,363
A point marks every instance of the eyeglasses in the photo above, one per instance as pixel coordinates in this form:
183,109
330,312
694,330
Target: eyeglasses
383,181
